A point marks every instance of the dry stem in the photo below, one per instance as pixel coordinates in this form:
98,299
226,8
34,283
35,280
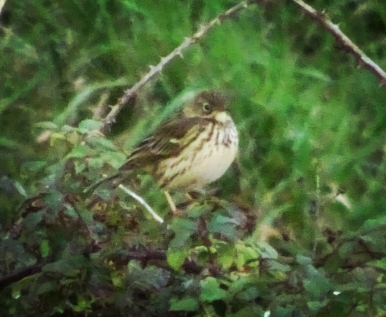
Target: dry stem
343,40
154,70
2,2
361,57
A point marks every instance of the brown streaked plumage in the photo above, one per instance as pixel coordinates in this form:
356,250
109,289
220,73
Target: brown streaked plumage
173,149
193,148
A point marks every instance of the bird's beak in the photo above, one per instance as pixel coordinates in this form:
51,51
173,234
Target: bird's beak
221,117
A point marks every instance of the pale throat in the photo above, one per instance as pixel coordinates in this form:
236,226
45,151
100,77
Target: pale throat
208,163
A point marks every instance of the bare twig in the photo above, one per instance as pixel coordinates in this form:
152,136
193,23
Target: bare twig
124,257
154,70
189,265
2,2
361,57
20,274
142,202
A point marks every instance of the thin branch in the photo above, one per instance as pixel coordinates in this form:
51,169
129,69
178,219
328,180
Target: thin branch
142,202
362,58
189,265
154,70
20,274
2,2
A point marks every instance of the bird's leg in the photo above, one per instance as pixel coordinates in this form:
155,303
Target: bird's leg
171,203
188,197
191,196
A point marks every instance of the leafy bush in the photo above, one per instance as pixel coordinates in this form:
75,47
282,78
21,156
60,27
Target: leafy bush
295,228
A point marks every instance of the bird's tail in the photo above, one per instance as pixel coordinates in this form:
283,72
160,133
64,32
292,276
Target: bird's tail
94,186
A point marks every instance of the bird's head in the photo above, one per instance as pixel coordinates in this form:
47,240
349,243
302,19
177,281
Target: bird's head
209,105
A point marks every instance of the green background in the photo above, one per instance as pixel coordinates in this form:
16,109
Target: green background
296,227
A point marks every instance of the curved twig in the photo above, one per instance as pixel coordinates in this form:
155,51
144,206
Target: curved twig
154,70
362,58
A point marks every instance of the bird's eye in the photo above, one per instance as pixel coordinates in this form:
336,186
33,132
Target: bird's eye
206,108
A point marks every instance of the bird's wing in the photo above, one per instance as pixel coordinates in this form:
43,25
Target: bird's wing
166,141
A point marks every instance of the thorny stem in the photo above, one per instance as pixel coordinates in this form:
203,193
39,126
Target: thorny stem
154,70
362,58
345,41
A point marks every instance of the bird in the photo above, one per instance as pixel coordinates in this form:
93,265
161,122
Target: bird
189,150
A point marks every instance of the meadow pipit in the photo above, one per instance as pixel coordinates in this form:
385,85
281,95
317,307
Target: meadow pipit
193,148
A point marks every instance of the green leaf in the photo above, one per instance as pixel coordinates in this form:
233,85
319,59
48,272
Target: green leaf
70,211
316,283
267,251
54,201
379,263
245,254
150,277
155,276
131,6
303,260
80,151
20,188
102,142
33,166
32,219
89,125
44,248
9,185
277,266
211,291
250,310
23,284
83,304
16,290
373,224
14,250
279,311
69,267
47,287
47,125
80,166
245,287
185,304
316,305
223,225
176,257
115,159
347,249
250,293
4,142
95,163
314,74
226,256
183,229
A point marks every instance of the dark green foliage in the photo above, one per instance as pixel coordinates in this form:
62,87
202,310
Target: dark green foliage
296,227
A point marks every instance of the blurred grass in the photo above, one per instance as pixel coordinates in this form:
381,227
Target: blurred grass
310,121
